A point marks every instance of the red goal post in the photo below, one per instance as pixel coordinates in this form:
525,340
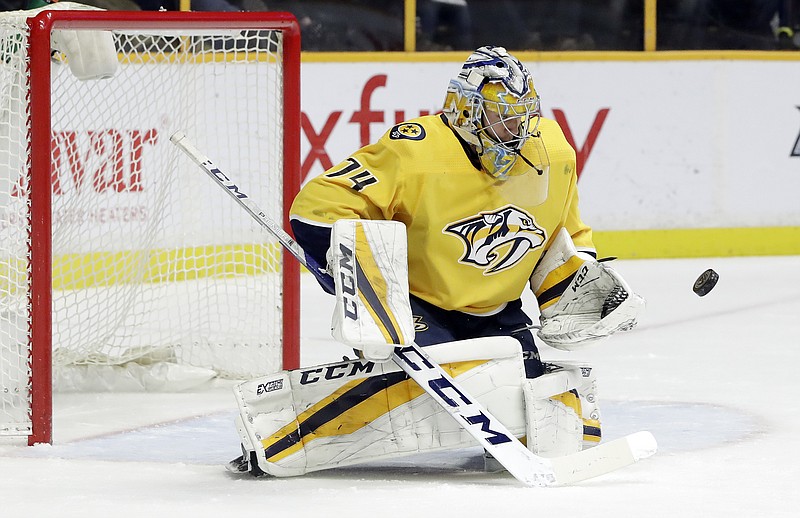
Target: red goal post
129,257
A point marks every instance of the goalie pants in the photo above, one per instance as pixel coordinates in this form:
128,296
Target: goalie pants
434,325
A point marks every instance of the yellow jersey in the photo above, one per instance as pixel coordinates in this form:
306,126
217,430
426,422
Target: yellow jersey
473,240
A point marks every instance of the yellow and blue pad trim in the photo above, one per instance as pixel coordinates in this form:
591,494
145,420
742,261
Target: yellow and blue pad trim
350,408
591,427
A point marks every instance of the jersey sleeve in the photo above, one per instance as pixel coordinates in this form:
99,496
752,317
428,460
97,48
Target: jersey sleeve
581,232
363,186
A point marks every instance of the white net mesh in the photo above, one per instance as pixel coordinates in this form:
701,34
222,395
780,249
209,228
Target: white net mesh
152,262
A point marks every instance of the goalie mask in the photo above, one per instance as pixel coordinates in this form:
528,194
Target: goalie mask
493,105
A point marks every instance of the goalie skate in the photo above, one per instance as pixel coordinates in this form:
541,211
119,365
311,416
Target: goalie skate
244,463
238,465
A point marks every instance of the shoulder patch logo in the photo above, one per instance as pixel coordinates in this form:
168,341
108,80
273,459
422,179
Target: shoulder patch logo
497,240
407,130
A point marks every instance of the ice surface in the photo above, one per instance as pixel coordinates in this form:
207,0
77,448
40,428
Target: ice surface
714,378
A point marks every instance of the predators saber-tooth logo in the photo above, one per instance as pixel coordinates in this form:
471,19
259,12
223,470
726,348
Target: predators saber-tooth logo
499,239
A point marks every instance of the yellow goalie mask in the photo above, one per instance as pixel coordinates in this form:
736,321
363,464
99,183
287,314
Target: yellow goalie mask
493,105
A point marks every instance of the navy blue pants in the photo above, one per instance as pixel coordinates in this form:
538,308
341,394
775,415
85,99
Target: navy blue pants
435,325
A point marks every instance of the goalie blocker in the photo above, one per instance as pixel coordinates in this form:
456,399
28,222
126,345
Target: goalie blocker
368,262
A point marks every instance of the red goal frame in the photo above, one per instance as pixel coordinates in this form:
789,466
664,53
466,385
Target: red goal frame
40,250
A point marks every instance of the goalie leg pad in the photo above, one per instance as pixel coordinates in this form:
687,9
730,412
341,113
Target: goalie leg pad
563,415
247,462
356,411
554,428
370,271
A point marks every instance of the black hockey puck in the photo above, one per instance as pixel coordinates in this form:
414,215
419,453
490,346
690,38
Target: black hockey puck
706,282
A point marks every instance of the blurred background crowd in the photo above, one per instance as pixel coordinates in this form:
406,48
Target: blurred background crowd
543,25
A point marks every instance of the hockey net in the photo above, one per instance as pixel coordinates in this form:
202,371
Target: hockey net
122,266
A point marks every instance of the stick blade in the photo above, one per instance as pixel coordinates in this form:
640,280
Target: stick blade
642,444
604,458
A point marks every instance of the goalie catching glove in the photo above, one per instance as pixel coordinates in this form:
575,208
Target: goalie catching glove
580,299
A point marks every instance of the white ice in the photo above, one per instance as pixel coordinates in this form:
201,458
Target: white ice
714,378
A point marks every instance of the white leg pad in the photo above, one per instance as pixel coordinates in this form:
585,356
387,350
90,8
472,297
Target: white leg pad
357,411
554,429
562,410
244,438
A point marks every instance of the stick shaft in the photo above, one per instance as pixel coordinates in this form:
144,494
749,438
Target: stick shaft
182,142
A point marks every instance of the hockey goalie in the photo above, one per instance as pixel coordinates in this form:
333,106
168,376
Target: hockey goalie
431,235
367,409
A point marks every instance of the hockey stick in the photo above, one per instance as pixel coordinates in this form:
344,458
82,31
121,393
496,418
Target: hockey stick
490,433
183,143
